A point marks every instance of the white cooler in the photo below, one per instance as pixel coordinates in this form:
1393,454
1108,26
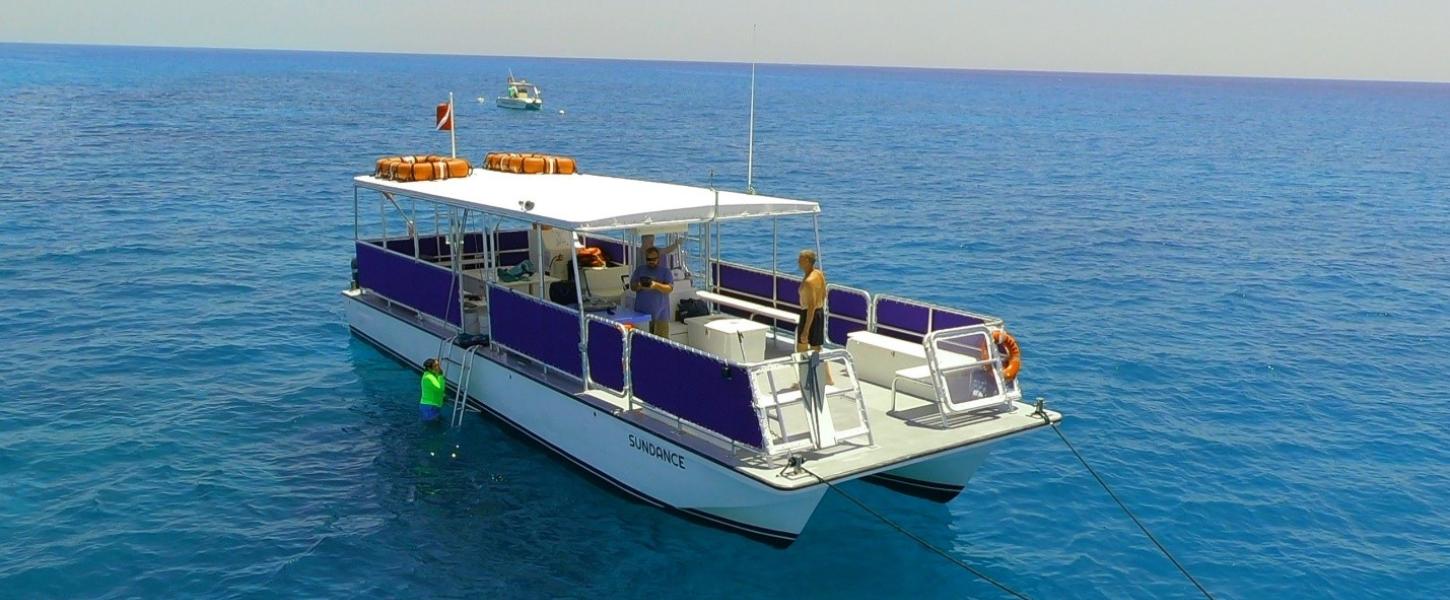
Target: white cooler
695,329
740,340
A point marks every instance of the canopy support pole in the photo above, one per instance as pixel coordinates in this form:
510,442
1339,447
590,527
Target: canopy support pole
825,306
775,262
583,320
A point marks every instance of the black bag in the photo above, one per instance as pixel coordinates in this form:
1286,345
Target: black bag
563,292
691,307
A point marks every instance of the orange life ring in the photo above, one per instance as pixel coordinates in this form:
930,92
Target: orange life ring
421,168
530,164
1010,351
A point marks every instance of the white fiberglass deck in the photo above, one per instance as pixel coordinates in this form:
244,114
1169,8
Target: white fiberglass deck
912,431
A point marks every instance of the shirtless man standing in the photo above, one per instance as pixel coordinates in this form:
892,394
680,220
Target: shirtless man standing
811,326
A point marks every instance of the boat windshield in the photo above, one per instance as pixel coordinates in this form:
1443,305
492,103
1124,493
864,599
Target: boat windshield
522,89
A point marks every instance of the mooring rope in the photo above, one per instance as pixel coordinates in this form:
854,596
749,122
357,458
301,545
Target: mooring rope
926,544
1043,413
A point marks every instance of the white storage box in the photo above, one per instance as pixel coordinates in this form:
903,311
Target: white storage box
740,340
695,330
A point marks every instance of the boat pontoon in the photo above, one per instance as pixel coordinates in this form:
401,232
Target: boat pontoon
714,421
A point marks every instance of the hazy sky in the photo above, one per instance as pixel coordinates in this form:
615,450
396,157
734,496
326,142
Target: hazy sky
1357,39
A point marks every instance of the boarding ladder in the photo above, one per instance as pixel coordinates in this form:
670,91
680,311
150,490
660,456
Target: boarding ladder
460,387
821,429
465,370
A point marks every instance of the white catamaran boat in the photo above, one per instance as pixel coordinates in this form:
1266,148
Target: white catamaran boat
720,421
521,95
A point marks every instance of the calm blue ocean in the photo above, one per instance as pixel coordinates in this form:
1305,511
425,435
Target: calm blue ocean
1238,291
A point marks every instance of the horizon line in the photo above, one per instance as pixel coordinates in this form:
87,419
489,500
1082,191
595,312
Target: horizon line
746,62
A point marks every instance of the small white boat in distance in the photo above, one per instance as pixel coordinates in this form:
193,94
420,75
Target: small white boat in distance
521,95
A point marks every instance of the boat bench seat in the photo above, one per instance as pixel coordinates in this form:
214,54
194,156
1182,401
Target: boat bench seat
748,306
885,360
920,374
877,357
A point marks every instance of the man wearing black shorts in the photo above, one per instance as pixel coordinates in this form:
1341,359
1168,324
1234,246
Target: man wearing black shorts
810,329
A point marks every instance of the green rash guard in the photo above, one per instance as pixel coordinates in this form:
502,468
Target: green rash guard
433,387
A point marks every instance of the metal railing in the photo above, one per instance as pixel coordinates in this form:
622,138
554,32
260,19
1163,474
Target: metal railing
966,370
800,405
780,303
933,313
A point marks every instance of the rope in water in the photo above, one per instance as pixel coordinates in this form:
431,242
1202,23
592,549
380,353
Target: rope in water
1042,413
797,462
926,544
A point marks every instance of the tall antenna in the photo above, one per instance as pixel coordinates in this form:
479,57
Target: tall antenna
750,141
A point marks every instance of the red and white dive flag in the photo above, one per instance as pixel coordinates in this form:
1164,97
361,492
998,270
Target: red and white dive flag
445,116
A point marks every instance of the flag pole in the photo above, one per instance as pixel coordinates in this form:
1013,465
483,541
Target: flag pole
750,141
453,126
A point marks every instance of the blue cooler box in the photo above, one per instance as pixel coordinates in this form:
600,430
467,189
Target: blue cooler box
625,315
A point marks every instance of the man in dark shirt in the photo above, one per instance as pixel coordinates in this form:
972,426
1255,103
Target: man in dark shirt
652,283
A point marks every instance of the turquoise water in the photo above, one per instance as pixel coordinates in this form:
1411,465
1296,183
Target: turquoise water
1237,290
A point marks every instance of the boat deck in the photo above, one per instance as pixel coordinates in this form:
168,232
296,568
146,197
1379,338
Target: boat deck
913,430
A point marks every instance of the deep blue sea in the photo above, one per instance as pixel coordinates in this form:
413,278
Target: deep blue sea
1237,291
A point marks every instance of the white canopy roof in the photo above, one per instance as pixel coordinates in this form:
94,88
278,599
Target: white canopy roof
589,202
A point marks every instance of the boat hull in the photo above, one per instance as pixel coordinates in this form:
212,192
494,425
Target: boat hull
939,478
639,462
518,104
